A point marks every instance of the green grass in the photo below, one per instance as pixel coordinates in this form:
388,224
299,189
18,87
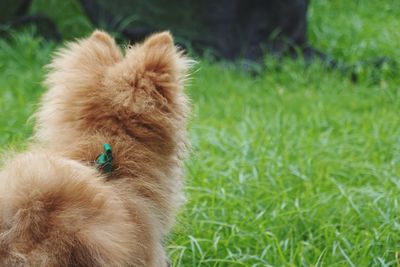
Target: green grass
296,167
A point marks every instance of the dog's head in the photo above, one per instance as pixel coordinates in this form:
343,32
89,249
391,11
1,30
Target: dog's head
99,84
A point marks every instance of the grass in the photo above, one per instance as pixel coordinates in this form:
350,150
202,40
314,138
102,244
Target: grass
296,167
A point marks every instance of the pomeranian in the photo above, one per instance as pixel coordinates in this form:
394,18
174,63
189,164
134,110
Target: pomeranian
102,181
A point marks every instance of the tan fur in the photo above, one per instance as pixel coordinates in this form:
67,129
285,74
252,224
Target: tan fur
56,208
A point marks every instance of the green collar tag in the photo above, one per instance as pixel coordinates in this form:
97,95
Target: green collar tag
104,160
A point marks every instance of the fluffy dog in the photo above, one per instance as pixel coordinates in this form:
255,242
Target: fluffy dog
56,208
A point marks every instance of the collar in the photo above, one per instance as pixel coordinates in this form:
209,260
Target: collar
104,160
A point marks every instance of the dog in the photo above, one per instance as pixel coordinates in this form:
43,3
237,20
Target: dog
57,207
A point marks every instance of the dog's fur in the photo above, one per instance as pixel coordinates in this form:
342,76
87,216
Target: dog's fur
56,209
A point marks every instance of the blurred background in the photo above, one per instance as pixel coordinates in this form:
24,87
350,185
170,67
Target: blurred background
295,132
230,30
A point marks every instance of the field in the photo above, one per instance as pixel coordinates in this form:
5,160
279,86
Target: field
298,166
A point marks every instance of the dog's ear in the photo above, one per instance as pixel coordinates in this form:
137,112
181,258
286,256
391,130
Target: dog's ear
162,39
97,51
163,58
159,51
83,60
103,49
103,37
159,59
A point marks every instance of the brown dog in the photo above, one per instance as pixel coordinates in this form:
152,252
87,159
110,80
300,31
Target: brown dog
56,209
